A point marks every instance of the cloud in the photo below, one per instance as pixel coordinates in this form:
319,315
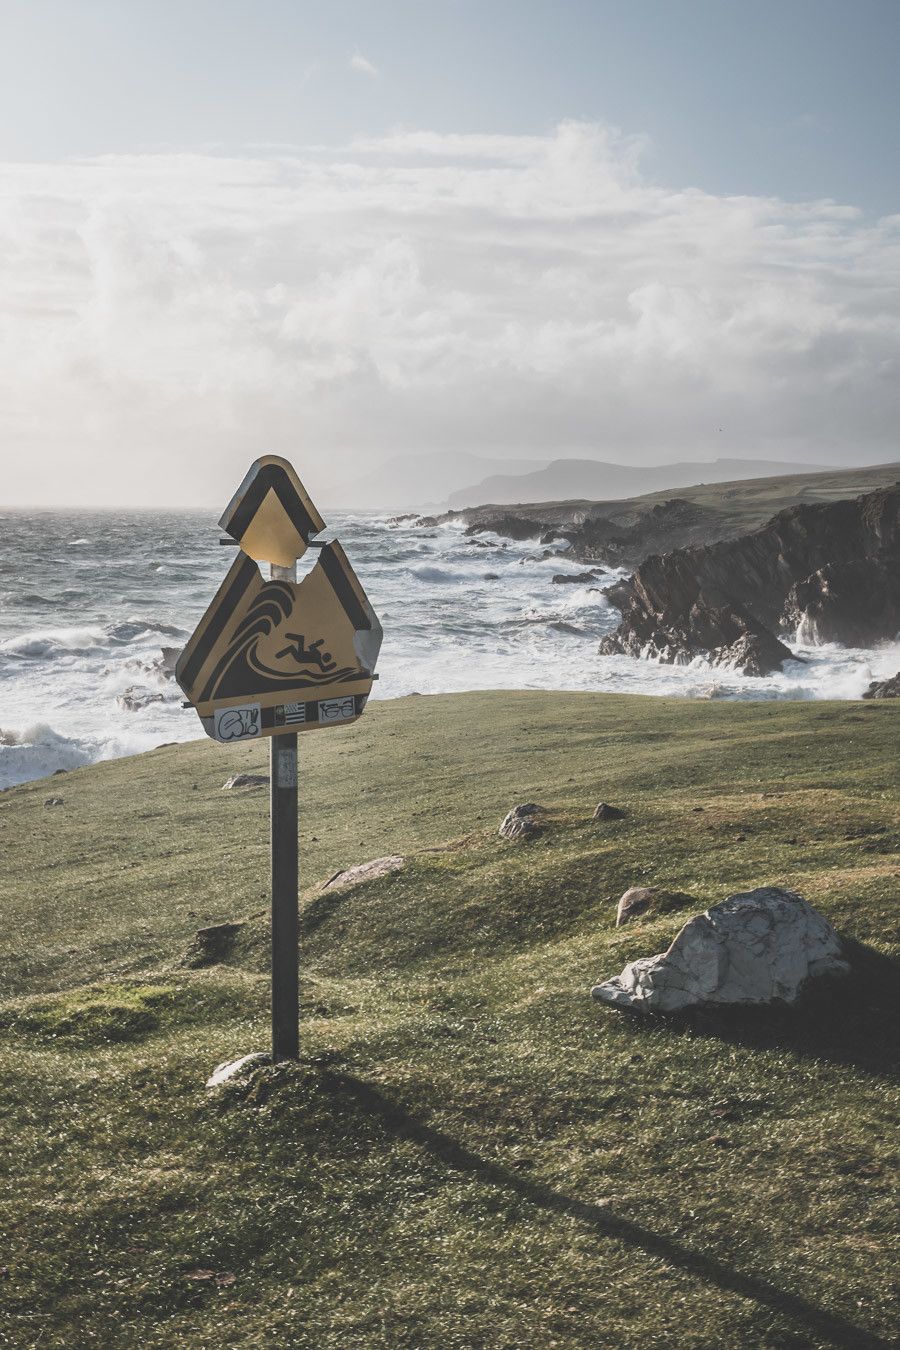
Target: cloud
170,316
359,63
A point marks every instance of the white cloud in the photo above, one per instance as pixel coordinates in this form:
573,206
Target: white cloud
168,317
359,63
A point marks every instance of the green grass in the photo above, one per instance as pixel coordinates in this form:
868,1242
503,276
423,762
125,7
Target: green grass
741,506
471,1153
89,1015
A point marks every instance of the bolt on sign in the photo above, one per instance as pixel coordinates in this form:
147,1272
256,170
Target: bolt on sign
277,656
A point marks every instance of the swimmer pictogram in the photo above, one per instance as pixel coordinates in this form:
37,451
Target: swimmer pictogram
310,655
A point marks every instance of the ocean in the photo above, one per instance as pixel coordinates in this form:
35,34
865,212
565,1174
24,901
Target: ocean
88,601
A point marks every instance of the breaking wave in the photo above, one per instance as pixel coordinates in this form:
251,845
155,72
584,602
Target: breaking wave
38,751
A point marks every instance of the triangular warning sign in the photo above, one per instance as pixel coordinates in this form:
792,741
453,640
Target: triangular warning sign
280,656
271,515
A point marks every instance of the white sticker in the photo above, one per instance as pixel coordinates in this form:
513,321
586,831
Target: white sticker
237,724
337,710
287,768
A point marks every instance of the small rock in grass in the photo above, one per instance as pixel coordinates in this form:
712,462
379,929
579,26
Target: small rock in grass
234,1069
759,947
606,812
366,871
520,823
639,899
239,780
53,801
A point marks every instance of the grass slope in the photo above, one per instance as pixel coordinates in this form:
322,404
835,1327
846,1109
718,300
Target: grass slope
472,1153
740,507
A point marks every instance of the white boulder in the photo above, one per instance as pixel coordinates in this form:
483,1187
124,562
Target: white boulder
755,948
236,1068
520,822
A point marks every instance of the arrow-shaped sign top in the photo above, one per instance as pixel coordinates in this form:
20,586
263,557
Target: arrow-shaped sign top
271,515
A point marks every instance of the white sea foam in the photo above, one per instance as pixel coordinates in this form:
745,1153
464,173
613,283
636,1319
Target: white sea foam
45,644
37,751
441,575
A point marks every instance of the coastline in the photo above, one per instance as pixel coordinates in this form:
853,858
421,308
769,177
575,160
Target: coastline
85,673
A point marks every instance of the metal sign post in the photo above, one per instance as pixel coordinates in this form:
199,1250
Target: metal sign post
284,827
275,658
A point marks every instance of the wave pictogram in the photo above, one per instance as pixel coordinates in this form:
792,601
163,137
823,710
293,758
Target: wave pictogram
242,671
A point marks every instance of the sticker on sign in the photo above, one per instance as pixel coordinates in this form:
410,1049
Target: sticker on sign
290,714
337,709
237,724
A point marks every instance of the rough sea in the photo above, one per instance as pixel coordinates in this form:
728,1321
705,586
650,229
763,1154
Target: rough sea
88,600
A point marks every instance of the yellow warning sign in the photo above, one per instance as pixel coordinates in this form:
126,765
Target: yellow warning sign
282,656
271,515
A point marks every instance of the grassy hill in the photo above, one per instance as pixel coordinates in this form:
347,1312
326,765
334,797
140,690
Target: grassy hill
472,1153
736,507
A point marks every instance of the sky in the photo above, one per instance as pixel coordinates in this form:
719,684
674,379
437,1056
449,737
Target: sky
641,232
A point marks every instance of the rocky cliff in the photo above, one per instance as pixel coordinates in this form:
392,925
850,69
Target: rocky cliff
621,542
830,571
623,533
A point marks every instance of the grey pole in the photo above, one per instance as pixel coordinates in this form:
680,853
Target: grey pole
285,883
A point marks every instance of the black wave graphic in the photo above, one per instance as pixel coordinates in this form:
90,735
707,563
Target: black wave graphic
241,672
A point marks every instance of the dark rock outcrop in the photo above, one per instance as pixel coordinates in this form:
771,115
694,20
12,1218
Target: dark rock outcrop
853,602
829,571
135,698
667,525
575,578
884,688
511,526
622,541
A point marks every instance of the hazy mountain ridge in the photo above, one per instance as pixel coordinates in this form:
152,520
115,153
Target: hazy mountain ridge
436,482
594,478
624,531
411,482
